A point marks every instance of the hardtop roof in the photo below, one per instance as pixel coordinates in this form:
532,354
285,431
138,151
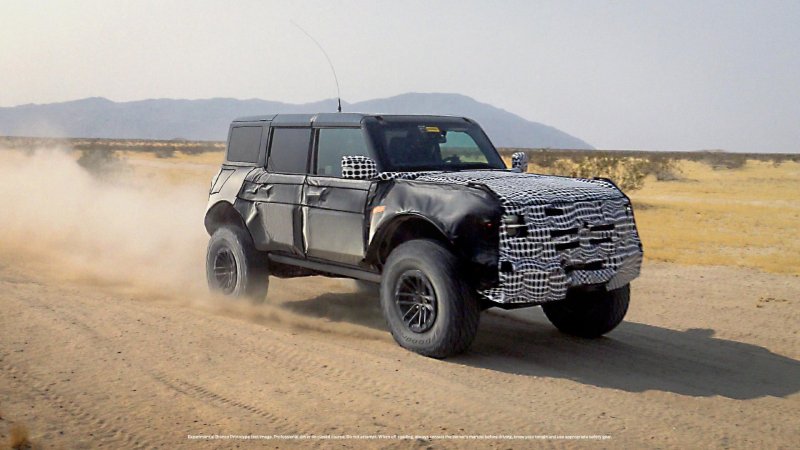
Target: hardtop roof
339,119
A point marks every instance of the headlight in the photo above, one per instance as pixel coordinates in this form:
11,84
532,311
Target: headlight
515,225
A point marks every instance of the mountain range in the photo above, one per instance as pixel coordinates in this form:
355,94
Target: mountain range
208,119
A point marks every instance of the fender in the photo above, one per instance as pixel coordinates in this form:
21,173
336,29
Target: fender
221,213
464,217
223,199
384,227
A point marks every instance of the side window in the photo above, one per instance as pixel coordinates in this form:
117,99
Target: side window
289,150
333,143
244,144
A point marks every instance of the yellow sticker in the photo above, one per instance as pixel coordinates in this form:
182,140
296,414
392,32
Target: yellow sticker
432,129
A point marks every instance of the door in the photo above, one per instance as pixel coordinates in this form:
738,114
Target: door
280,190
333,208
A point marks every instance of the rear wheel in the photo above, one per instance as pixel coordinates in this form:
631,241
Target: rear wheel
589,314
429,307
234,267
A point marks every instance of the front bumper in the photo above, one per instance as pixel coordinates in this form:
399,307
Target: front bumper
564,246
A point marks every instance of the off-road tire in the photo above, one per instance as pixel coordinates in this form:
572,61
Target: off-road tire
589,314
456,305
251,267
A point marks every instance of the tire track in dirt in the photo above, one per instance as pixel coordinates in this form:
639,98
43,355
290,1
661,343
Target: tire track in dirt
476,399
104,431
298,364
71,318
197,391
307,362
292,360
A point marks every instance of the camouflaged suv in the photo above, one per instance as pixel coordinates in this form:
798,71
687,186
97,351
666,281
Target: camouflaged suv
424,207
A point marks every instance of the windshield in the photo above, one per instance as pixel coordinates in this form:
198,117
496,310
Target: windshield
413,145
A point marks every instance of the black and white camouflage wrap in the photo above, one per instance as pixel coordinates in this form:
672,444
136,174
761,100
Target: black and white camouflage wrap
519,161
385,176
576,232
359,168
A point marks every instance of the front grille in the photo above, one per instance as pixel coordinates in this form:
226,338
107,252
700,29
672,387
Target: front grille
594,265
552,211
561,245
567,232
607,227
567,245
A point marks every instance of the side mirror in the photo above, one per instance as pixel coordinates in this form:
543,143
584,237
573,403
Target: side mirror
519,162
359,168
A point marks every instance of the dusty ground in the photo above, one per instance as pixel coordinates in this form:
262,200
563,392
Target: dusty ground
109,340
706,358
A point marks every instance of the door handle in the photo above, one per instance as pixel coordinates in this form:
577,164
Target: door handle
318,195
265,188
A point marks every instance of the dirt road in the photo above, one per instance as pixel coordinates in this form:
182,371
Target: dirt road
707,357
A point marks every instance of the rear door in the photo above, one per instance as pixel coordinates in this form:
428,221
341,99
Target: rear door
280,189
332,206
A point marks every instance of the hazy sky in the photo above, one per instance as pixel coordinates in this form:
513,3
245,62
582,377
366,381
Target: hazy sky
677,75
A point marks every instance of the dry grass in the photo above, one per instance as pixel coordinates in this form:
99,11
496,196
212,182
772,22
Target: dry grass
744,217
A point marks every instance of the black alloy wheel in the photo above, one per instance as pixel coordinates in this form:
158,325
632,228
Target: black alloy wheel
225,270
416,301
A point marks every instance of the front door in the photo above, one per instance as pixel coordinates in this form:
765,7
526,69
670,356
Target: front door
333,208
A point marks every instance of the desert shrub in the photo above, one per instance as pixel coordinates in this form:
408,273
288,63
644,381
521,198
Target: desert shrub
664,168
724,160
165,152
542,159
627,173
195,148
100,161
191,150
627,169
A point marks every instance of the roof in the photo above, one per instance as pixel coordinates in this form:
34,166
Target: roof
334,119
307,119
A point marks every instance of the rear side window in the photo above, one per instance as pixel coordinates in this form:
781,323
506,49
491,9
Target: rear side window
333,143
244,144
289,150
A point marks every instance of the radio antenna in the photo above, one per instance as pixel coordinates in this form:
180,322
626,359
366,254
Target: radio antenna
335,78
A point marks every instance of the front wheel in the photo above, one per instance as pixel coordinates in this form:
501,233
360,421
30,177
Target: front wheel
234,267
429,307
589,314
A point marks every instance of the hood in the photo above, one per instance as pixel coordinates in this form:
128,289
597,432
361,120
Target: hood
529,189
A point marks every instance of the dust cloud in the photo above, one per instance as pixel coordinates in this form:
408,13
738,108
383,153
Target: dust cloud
115,229
142,237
